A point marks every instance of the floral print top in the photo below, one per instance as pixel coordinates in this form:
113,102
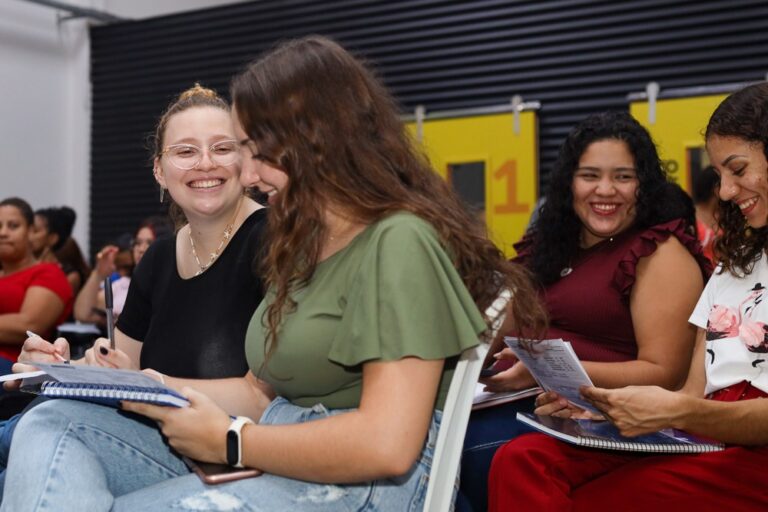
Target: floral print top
733,312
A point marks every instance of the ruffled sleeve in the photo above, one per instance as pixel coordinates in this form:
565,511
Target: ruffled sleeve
407,299
524,250
645,244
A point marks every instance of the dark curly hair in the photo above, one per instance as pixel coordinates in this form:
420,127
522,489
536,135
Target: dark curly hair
744,115
557,233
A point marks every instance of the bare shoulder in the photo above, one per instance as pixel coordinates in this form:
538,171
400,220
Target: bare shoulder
670,261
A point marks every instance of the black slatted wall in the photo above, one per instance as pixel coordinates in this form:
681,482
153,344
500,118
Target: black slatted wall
575,56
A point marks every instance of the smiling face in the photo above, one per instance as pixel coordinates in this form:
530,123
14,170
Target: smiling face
209,189
14,235
256,172
605,190
743,171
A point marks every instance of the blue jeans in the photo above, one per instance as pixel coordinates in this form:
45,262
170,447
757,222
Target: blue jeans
5,366
69,455
5,369
488,429
6,434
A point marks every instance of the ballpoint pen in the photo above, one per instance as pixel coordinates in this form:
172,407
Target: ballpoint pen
110,314
55,354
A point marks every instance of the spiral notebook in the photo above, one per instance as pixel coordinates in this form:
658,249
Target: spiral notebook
106,386
602,434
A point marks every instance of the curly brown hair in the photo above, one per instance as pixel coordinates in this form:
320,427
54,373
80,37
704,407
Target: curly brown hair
321,116
744,115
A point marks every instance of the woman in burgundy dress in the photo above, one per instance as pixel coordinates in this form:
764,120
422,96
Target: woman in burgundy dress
615,253
727,378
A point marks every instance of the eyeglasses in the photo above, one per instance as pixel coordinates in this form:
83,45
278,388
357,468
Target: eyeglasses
189,156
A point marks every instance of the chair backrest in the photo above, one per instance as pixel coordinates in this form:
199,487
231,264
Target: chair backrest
458,405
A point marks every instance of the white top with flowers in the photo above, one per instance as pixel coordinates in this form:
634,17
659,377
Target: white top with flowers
734,314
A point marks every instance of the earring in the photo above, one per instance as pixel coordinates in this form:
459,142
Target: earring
162,194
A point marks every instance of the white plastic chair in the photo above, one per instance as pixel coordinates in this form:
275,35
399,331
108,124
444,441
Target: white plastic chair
458,405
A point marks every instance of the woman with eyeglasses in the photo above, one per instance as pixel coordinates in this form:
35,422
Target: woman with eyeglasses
377,279
192,296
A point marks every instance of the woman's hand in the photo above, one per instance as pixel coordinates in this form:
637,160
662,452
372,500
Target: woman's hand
105,261
515,378
101,355
552,404
637,410
38,350
198,431
13,385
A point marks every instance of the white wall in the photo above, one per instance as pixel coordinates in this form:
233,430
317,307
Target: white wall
45,109
45,96
138,9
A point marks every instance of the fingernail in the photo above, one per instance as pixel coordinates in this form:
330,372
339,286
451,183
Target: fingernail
104,351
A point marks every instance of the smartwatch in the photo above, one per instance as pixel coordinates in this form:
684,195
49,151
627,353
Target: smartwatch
235,442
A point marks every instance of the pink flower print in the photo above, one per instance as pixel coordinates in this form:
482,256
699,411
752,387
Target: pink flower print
723,321
751,333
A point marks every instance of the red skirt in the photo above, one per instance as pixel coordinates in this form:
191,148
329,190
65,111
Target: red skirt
539,473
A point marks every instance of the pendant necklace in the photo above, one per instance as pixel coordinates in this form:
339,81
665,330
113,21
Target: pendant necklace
567,270
215,254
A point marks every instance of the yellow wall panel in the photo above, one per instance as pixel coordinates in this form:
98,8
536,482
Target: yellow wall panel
510,161
679,127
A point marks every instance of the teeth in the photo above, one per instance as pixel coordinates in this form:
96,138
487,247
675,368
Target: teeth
604,207
205,183
748,203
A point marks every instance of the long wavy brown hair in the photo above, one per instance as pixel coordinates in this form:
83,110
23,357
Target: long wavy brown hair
744,115
322,116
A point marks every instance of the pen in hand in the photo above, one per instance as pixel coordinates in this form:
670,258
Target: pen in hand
110,313
58,356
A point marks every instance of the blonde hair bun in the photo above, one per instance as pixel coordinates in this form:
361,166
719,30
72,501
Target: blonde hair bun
198,90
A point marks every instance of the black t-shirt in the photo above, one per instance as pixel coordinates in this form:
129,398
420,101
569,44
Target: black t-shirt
195,328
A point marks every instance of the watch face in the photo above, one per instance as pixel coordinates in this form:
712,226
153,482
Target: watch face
233,447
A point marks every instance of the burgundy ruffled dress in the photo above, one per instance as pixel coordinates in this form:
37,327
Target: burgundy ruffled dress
590,305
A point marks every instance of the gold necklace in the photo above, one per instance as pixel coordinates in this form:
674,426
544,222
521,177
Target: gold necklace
215,254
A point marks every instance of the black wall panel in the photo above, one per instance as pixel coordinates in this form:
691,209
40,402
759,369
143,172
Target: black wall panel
575,56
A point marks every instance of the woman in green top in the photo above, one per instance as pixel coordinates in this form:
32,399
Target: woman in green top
376,277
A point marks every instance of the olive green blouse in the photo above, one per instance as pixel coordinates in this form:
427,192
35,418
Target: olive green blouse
392,292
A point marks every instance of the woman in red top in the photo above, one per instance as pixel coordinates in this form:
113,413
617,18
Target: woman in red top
33,296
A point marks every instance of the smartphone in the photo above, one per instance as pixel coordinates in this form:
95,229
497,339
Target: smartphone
212,473
497,367
489,372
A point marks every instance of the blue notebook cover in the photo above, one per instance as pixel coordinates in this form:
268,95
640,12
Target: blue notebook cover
106,386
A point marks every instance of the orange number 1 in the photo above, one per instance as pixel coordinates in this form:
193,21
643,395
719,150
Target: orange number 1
509,171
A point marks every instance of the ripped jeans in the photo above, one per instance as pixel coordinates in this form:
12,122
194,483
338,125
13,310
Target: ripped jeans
69,455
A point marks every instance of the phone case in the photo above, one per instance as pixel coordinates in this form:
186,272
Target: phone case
211,473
